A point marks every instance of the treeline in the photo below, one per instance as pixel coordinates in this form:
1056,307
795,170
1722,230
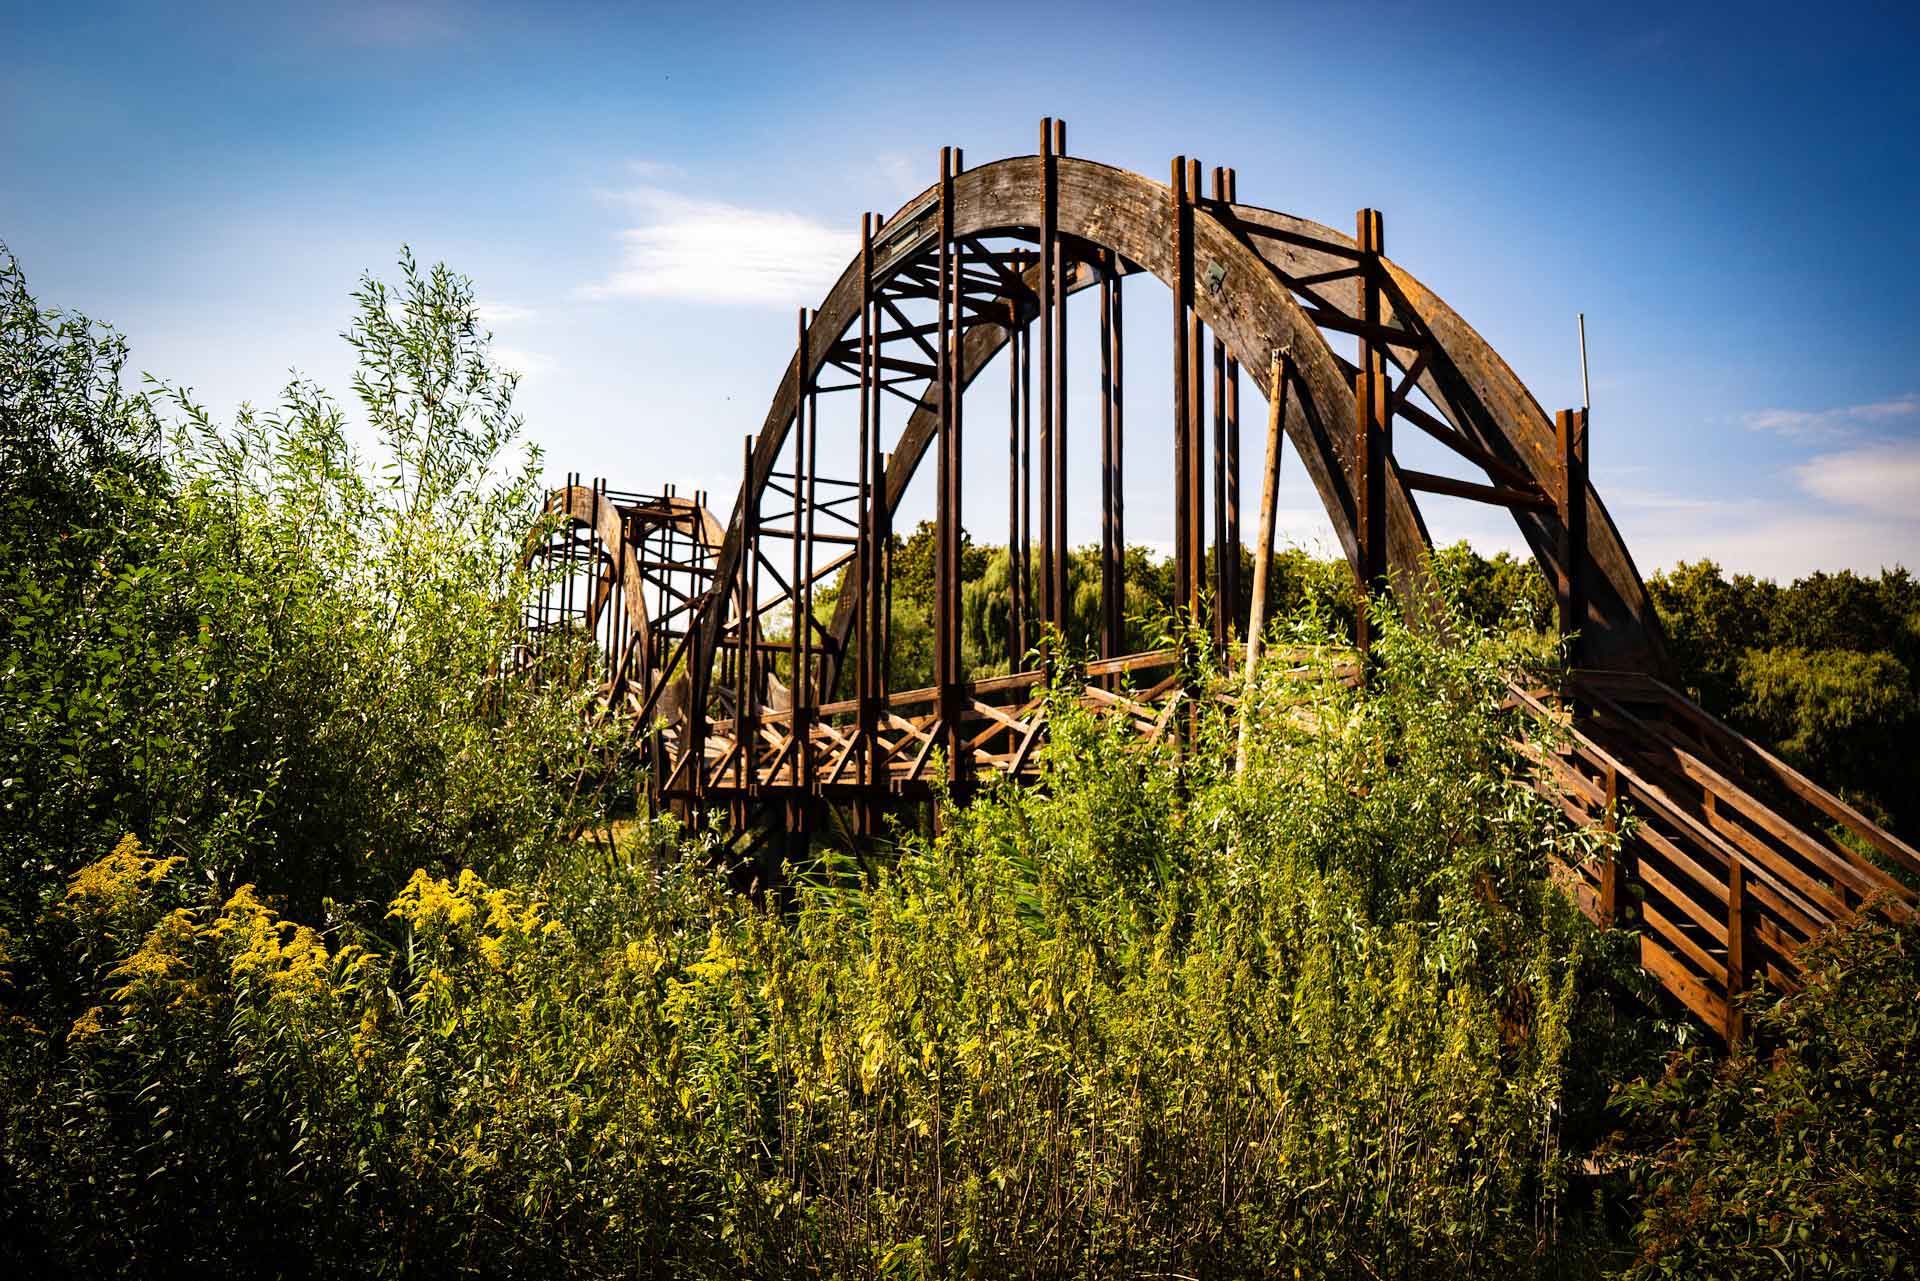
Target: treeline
1825,670
303,971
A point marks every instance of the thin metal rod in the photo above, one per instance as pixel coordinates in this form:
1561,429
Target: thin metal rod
1586,388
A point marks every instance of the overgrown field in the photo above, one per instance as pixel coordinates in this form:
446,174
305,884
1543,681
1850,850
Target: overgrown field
304,970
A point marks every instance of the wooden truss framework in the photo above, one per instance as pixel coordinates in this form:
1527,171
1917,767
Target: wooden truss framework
731,702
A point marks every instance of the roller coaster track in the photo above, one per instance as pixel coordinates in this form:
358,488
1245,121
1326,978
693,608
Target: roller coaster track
1732,861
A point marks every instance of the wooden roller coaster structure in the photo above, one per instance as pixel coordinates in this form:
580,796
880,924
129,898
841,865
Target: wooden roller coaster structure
1735,860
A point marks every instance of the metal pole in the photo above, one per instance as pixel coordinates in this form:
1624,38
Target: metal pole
1586,388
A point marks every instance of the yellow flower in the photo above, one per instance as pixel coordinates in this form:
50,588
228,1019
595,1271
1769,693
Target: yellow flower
109,886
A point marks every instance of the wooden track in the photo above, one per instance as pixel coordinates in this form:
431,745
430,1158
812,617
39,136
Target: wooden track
1733,868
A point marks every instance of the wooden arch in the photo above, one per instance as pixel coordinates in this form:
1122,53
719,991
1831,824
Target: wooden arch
1259,280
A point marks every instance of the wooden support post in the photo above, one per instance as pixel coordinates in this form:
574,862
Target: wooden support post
1223,621
1235,596
1196,415
958,758
1570,432
1263,549
807,690
1016,619
863,583
796,629
1370,498
1610,866
1049,213
1113,548
1736,980
1062,598
747,698
1183,552
1026,489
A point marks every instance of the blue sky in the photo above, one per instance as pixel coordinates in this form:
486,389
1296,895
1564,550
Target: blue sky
643,198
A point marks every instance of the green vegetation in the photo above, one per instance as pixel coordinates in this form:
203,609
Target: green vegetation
1826,671
302,971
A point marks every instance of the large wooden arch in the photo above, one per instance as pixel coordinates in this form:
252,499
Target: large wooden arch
1261,256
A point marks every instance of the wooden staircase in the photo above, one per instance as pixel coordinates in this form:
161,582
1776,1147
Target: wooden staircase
1733,860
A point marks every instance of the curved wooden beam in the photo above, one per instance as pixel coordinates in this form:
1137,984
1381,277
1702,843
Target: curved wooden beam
1252,309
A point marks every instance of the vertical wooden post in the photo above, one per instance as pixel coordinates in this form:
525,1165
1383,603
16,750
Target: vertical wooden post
959,760
1235,596
1113,547
1196,413
1026,488
1016,620
1062,268
744,649
1370,526
1570,432
1049,193
1182,383
1223,620
1610,868
863,541
807,691
1736,980
797,623
1263,549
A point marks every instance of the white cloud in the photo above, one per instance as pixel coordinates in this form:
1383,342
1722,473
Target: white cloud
494,314
1883,479
1829,424
698,250
519,360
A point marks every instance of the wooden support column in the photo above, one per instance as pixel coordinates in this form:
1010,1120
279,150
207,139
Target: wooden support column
865,817
1570,433
1610,865
1235,594
1183,550
1736,979
1025,567
1370,446
1016,618
959,759
1049,216
746,653
1113,545
1196,416
1223,620
807,684
1062,593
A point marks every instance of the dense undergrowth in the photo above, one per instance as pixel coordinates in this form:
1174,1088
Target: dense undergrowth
303,974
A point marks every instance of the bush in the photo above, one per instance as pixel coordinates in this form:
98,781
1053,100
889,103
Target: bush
1799,1154
1144,1017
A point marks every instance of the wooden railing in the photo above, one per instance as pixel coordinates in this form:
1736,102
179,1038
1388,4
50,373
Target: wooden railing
1733,860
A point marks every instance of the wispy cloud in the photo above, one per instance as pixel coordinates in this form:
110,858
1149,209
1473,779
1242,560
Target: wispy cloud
495,314
696,250
1883,479
1836,423
519,360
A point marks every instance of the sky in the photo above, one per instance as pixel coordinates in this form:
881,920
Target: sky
644,196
